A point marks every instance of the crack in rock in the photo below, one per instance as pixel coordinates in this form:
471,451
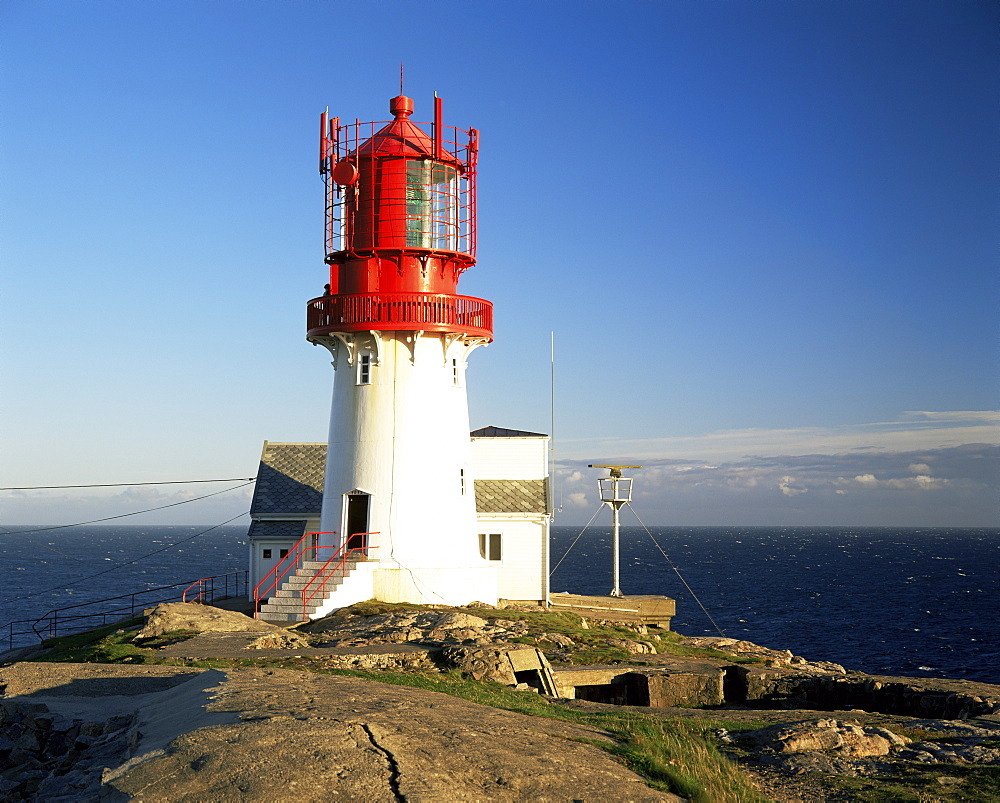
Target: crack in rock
390,760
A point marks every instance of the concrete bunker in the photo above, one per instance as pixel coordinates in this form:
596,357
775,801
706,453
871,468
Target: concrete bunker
691,686
707,686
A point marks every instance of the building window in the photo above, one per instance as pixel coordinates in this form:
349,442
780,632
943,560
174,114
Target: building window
267,554
282,553
454,372
365,369
489,546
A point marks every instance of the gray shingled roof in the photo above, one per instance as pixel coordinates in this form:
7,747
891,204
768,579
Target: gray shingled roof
290,480
511,496
503,432
277,529
290,484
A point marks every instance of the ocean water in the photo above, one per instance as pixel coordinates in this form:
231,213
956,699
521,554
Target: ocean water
42,571
913,602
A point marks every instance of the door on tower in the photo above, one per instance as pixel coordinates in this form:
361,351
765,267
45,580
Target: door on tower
356,525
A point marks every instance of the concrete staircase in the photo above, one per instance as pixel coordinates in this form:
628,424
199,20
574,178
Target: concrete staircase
286,604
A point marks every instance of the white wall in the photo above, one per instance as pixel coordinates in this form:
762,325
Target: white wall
524,555
403,438
510,458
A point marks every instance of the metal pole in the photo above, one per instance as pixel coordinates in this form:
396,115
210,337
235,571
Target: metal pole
615,507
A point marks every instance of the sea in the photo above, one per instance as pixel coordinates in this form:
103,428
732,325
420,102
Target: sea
916,602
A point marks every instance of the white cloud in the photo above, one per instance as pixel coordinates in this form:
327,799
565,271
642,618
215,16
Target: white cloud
861,486
914,431
921,482
957,416
788,488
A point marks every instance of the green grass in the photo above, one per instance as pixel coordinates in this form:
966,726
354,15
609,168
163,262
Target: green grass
104,645
111,644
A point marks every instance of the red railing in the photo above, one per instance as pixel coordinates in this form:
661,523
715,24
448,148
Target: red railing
339,561
293,560
288,564
431,312
200,596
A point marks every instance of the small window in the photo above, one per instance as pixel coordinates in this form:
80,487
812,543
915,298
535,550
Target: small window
267,554
282,553
461,479
365,369
489,546
454,372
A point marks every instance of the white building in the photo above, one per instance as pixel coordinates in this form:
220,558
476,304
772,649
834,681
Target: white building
510,468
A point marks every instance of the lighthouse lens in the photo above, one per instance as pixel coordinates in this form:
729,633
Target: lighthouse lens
432,205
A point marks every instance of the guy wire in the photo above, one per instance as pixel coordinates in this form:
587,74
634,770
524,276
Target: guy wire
676,571
585,526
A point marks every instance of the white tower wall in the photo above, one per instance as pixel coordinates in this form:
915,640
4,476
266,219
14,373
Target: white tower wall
399,432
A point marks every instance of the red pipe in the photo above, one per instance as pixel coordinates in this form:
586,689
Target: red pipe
324,142
437,127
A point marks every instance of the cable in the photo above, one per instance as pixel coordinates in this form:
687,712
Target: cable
128,562
676,571
125,515
126,484
585,526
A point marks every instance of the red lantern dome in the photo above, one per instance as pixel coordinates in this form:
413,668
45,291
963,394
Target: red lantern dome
400,226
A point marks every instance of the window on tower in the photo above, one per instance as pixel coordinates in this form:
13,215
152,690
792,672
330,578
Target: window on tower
365,369
432,201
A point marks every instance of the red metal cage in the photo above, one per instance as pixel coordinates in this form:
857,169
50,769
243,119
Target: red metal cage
391,185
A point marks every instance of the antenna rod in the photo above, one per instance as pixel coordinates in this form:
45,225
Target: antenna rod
401,78
552,426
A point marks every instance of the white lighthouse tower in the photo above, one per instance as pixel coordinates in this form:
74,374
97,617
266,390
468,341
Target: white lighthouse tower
398,497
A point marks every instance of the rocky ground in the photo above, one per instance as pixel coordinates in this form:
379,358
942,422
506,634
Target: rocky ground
72,731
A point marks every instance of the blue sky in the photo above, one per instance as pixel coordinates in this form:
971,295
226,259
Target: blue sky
763,233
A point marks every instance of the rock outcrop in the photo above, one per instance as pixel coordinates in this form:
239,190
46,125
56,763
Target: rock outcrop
171,617
222,738
411,626
765,655
849,748
47,756
287,735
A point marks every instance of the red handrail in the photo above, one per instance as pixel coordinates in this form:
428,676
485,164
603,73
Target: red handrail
278,574
306,597
201,591
431,312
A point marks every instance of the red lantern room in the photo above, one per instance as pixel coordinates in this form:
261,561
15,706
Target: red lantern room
400,226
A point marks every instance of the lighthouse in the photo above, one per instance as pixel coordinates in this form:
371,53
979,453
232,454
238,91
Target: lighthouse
398,489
